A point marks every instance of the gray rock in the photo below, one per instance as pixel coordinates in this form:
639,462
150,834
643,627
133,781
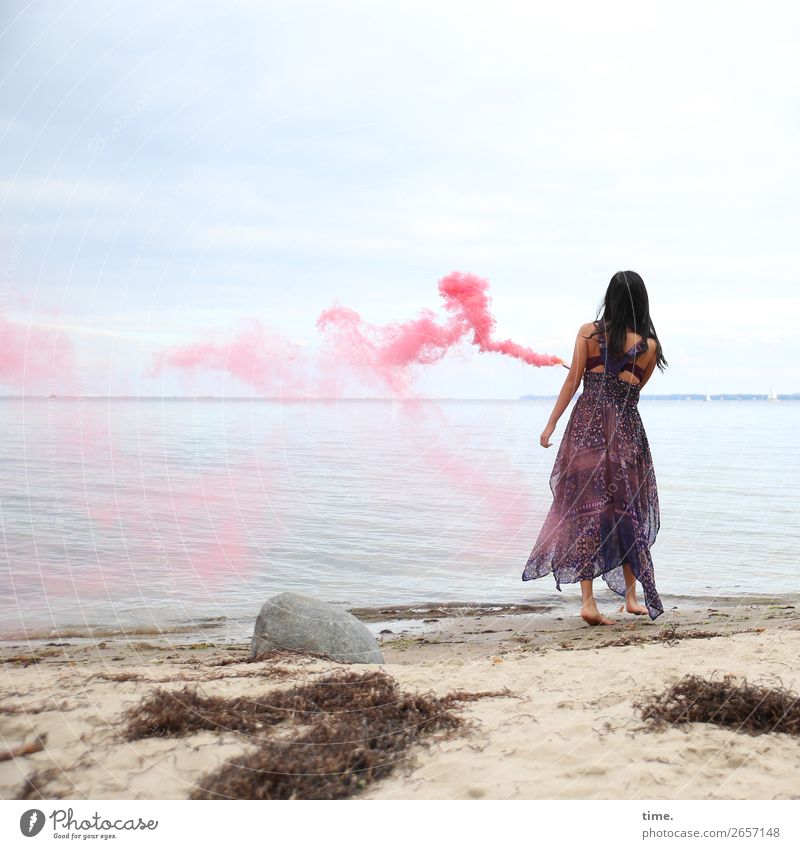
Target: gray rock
302,623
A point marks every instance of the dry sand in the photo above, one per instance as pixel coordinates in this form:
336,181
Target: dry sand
569,730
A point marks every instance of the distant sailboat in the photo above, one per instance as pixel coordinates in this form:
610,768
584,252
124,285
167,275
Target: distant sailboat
708,397
772,396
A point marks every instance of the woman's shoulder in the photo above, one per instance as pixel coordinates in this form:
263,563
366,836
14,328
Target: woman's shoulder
588,329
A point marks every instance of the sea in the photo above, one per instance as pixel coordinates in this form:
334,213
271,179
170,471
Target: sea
141,516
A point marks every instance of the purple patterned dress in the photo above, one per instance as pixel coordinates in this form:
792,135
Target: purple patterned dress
605,501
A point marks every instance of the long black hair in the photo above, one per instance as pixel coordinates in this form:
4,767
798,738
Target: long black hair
626,307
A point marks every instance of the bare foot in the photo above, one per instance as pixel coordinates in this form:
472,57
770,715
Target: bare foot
592,616
633,607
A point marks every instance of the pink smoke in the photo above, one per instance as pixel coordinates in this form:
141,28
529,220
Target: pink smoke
382,354
387,352
257,357
465,296
212,517
498,488
34,357
386,355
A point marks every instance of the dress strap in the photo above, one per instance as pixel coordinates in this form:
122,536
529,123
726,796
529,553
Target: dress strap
614,365
601,341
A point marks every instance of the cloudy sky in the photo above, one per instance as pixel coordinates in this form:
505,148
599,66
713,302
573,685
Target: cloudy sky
171,169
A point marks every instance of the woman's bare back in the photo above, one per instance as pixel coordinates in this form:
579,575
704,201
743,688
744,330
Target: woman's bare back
645,360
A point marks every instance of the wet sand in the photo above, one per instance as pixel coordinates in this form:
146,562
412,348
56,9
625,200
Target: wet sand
569,729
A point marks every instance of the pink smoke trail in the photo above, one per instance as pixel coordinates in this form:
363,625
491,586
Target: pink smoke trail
212,514
32,357
499,489
384,354
256,357
387,352
465,296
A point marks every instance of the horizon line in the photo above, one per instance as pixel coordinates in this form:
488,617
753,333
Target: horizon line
678,396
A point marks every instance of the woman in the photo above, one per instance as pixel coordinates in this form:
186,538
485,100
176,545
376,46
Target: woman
605,515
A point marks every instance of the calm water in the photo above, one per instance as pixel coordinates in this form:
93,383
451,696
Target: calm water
154,513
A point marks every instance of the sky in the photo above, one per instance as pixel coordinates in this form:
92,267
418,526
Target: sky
171,170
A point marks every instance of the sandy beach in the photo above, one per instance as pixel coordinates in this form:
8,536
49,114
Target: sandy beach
565,727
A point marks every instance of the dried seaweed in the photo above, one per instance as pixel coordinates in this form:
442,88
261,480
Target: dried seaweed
669,634
224,661
35,785
24,749
118,677
304,655
27,710
362,724
740,706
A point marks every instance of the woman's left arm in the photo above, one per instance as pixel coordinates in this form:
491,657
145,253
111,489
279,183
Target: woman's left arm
571,383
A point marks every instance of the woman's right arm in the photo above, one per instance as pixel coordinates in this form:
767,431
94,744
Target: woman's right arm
571,384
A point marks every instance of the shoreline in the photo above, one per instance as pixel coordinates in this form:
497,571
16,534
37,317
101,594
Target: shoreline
419,616
568,731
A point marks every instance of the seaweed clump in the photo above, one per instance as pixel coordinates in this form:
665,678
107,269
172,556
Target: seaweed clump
357,728
668,634
740,706
35,785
